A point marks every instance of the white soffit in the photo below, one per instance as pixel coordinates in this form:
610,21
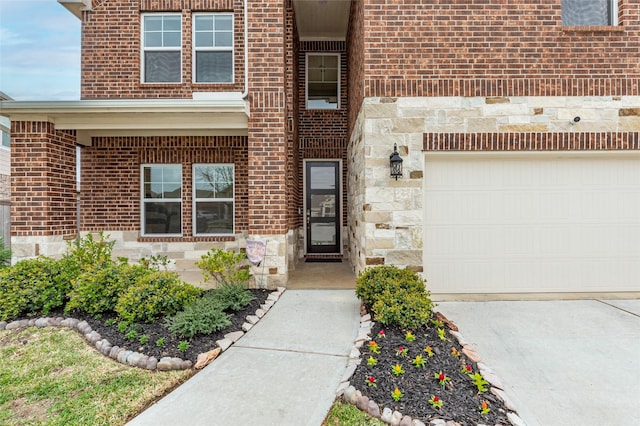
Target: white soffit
188,117
76,6
322,19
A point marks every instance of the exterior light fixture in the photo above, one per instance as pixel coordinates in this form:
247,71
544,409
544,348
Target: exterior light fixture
395,163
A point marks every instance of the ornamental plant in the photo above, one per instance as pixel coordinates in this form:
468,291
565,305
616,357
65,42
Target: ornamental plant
484,407
396,394
429,351
437,323
442,378
402,351
466,369
409,337
381,334
224,267
372,362
418,361
435,402
479,381
455,353
397,370
371,382
374,347
441,335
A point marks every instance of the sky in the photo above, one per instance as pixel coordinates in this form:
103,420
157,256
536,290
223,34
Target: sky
39,51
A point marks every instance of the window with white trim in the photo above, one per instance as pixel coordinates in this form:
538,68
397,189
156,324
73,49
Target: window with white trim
323,81
213,48
161,48
161,199
213,199
589,12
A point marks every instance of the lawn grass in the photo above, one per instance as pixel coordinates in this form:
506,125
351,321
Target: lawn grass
343,414
50,376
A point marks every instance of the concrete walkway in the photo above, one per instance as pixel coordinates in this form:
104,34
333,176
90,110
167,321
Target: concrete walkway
561,362
284,371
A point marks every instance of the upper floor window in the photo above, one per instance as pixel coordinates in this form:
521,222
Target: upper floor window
162,199
589,12
323,81
213,199
213,46
161,48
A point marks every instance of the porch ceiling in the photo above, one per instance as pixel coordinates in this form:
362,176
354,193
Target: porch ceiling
322,19
148,117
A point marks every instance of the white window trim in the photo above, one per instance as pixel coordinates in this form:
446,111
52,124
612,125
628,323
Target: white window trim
212,49
143,49
306,80
143,200
195,200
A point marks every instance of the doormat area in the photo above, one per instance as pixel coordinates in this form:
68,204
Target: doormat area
322,260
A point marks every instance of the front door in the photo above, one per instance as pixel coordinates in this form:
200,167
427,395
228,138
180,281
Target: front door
322,204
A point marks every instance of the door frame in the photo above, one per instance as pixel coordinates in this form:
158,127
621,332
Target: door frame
339,213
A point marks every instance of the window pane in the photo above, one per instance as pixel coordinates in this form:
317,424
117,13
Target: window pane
214,67
152,39
224,23
214,217
153,23
330,61
172,23
162,218
204,39
314,61
6,139
224,39
171,39
162,67
331,75
204,22
586,12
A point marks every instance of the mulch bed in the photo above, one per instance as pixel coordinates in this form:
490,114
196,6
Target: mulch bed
460,397
156,330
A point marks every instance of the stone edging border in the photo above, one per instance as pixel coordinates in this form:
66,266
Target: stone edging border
136,359
353,396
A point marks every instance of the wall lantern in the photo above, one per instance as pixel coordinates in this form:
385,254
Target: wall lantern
395,163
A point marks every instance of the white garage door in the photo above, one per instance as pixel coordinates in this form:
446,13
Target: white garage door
537,223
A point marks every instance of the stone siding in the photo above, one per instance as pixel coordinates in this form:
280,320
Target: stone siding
385,215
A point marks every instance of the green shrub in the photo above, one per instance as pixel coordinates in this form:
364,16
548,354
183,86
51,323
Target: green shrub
31,286
373,281
225,267
204,316
155,295
232,296
406,309
89,253
97,289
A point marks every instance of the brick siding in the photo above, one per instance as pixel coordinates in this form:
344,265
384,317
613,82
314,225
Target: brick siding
462,48
43,180
110,194
111,49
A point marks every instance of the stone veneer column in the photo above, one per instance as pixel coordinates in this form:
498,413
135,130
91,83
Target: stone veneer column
43,189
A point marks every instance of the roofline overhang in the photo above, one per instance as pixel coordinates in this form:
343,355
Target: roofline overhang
224,115
76,6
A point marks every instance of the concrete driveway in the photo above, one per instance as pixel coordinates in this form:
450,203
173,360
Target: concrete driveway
562,363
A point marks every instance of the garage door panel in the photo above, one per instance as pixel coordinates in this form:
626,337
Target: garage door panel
496,225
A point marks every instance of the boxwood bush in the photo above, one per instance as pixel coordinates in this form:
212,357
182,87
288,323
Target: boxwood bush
396,296
32,286
154,295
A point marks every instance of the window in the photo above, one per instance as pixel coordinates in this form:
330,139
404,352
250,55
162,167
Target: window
589,12
162,48
213,204
161,199
213,44
323,81
6,139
